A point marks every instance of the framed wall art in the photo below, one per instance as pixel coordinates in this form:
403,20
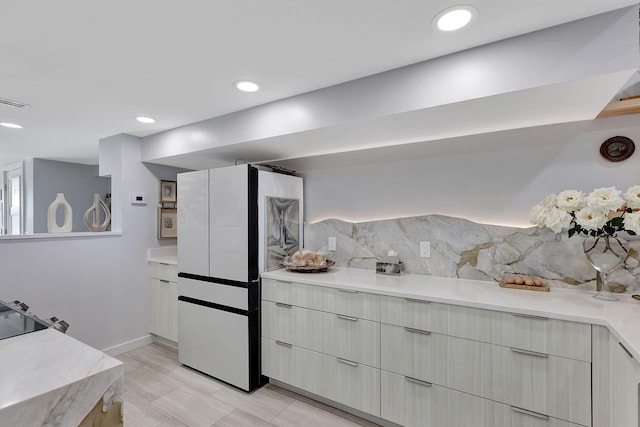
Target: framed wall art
168,192
167,223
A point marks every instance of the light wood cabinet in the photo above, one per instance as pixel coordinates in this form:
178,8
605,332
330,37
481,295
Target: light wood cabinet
413,313
414,352
413,403
422,363
163,301
616,382
535,333
323,340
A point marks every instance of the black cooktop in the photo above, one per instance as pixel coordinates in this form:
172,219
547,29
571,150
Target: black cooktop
14,322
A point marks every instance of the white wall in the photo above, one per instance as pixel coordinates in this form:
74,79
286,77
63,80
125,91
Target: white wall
493,178
97,284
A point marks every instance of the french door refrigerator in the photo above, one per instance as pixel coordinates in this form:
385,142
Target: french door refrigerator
233,223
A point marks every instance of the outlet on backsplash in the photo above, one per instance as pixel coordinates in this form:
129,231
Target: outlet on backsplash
331,244
425,249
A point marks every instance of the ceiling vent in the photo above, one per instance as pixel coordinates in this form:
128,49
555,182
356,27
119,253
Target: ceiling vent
10,103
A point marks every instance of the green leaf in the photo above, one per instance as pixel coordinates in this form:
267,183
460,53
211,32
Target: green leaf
631,232
572,232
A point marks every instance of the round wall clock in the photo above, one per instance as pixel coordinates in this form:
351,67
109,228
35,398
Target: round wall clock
617,149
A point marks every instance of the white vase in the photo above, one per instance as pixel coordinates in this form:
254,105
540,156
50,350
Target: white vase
52,224
92,215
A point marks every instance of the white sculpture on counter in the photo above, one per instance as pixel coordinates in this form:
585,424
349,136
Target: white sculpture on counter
92,215
52,224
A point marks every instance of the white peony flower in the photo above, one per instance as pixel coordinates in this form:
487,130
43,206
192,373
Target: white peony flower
632,196
556,219
591,218
605,199
549,201
632,222
570,200
538,215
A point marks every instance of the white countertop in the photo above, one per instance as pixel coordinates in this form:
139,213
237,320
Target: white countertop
621,317
163,255
48,376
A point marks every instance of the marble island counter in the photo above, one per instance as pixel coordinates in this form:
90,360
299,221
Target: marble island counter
621,317
51,379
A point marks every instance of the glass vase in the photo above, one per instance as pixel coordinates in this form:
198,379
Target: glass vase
605,253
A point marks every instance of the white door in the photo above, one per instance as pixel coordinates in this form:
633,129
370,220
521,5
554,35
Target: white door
14,206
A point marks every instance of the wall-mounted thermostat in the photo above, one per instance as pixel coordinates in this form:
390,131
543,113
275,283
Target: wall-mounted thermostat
138,199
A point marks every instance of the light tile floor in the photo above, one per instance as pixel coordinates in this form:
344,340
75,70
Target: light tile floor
160,392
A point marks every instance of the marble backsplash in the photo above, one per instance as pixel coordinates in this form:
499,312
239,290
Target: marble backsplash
462,248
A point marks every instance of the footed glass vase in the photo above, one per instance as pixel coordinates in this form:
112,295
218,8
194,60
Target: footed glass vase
605,253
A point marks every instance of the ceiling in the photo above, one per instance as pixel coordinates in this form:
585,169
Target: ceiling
87,69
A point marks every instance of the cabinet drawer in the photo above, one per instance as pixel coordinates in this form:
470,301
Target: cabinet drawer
341,380
352,384
556,386
168,272
333,334
540,334
412,403
293,293
342,301
426,315
293,365
352,339
466,410
415,353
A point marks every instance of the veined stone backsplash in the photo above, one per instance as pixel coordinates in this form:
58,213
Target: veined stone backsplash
465,249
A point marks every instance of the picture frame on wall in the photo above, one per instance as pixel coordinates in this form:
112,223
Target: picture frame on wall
168,191
167,223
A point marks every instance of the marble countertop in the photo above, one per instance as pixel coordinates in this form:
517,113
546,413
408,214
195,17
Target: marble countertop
621,317
49,378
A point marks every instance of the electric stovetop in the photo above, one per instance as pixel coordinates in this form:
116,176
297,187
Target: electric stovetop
14,322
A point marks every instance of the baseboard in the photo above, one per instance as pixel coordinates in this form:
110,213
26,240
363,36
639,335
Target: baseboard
128,346
165,342
344,408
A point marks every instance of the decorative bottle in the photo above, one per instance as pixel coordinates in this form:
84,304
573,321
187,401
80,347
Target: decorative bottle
52,224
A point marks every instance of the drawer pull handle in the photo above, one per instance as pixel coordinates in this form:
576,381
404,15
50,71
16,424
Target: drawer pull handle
529,316
163,281
529,353
417,381
421,301
417,331
625,350
346,362
348,291
341,316
530,413
283,305
284,344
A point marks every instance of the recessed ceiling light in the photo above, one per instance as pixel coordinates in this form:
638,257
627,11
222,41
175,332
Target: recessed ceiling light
454,18
247,86
146,120
11,125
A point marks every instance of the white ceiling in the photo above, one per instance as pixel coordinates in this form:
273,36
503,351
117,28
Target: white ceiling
88,68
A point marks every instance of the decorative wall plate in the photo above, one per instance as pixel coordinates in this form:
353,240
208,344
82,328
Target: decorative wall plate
617,148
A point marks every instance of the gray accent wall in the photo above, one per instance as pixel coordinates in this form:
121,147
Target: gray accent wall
78,182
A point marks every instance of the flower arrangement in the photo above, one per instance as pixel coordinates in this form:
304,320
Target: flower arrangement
603,212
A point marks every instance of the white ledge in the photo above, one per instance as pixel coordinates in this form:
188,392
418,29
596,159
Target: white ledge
54,236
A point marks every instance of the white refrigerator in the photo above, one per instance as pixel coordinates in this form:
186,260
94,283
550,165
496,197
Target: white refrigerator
233,223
